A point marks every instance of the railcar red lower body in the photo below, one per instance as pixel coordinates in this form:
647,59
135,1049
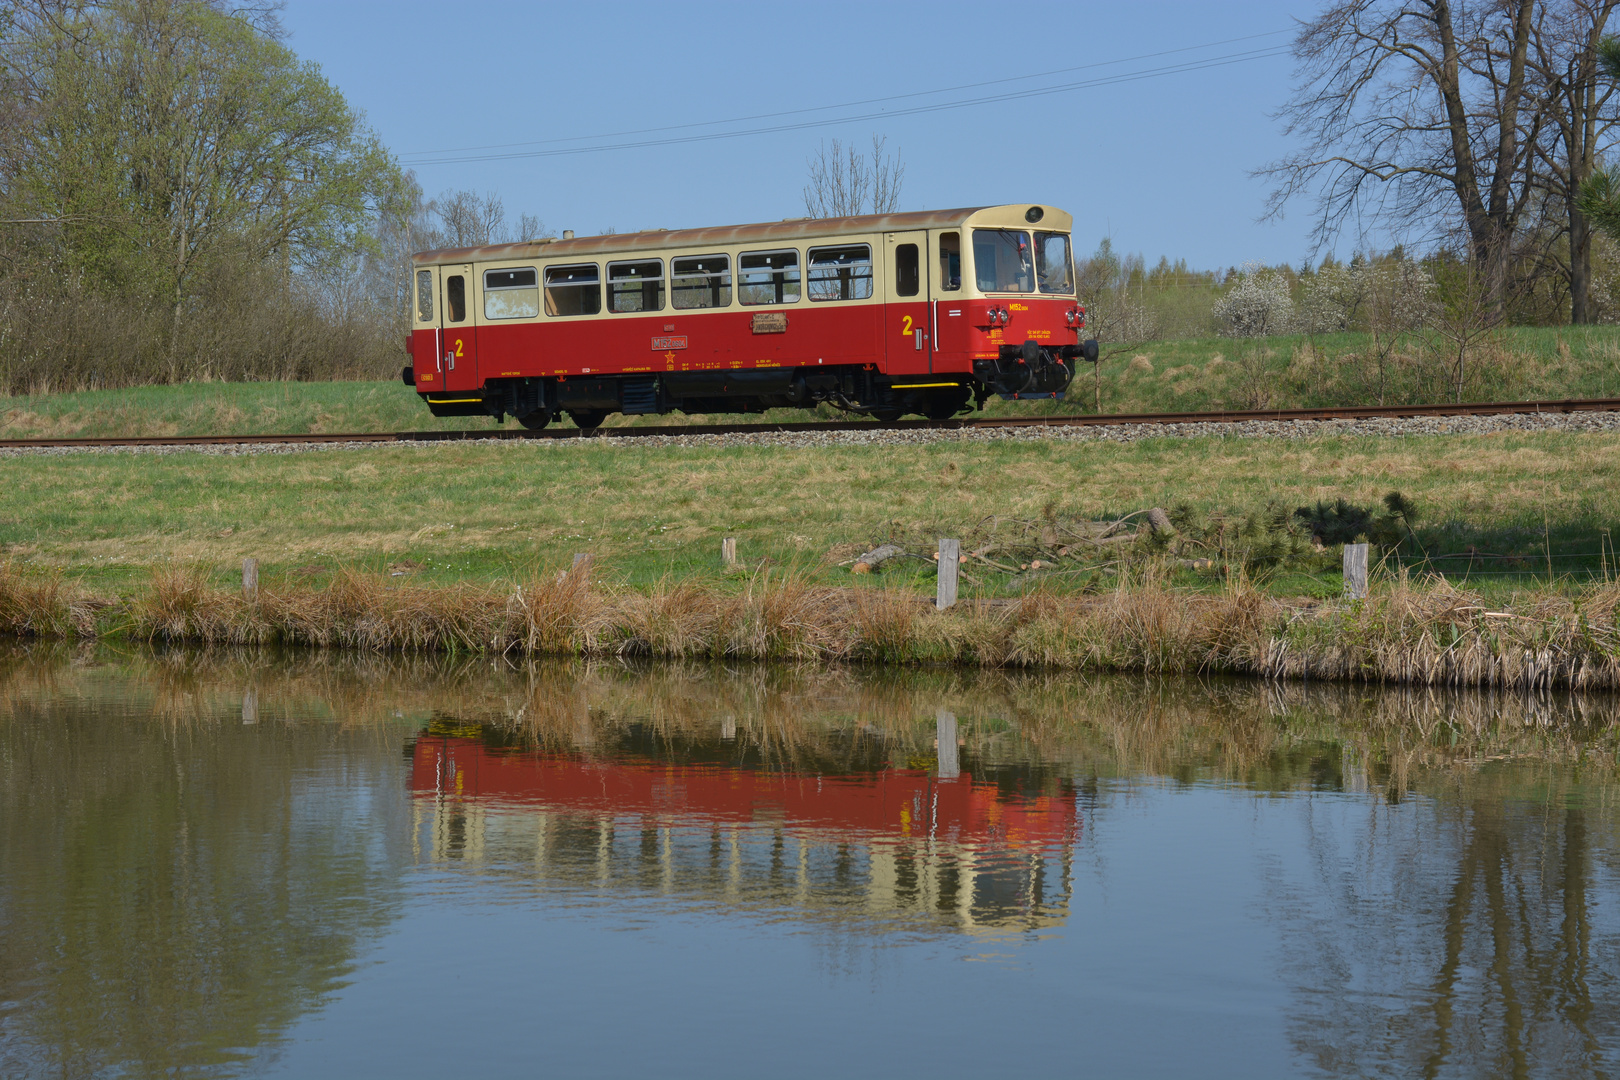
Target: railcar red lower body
886,360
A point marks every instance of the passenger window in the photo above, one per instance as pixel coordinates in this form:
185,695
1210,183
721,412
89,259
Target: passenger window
907,270
950,261
511,294
768,277
573,290
700,282
455,297
636,286
1002,260
424,295
841,273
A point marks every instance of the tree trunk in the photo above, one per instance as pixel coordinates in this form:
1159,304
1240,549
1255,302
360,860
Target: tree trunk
1574,101
875,558
1580,265
1491,220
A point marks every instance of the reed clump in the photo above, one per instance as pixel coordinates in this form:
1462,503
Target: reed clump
1429,633
1435,634
558,616
356,610
43,605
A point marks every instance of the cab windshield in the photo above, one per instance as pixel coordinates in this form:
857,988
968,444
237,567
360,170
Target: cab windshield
1002,260
1052,258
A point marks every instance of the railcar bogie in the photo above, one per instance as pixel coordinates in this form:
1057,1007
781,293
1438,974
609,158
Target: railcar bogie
884,315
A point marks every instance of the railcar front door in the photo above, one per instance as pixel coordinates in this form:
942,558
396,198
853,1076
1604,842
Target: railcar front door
906,327
458,345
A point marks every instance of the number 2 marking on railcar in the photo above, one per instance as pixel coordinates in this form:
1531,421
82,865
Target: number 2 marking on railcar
905,328
458,348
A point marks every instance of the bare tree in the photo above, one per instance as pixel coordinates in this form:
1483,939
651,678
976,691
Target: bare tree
844,183
1599,199
408,223
1574,98
1393,298
1120,321
1463,319
468,219
1409,108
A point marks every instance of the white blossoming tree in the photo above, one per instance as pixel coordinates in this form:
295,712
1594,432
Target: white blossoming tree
1258,305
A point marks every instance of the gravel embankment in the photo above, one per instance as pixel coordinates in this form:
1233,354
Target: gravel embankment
879,436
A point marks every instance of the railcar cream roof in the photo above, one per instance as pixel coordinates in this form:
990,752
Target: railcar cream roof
730,236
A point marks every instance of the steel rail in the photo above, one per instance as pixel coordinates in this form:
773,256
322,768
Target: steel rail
1236,416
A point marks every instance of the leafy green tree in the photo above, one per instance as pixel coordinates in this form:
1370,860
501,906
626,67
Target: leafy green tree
165,138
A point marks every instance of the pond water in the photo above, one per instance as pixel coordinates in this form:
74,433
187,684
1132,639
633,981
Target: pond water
228,864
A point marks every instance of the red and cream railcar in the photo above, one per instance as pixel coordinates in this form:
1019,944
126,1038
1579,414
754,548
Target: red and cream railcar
884,314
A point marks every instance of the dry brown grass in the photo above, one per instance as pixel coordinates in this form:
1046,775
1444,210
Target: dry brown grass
356,610
559,616
1428,634
42,604
1434,634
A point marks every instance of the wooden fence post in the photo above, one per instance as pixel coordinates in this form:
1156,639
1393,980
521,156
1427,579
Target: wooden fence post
945,745
250,578
1355,571
950,561
728,551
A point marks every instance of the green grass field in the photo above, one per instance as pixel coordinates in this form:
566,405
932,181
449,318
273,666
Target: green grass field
1169,376
481,512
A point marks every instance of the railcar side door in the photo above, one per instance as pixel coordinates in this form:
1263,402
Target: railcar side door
458,339
906,329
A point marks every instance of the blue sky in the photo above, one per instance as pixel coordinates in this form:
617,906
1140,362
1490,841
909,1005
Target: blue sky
1160,164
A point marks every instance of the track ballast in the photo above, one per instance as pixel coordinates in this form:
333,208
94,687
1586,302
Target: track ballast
1347,412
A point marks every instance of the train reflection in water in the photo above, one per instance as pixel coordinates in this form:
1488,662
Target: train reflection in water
878,838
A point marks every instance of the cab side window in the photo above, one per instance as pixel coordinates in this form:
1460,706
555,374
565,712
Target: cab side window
907,270
455,297
424,295
950,261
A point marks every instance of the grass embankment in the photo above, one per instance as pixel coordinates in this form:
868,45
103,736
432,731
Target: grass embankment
486,513
1308,371
1168,376
458,548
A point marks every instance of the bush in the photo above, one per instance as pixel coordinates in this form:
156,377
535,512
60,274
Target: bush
1258,305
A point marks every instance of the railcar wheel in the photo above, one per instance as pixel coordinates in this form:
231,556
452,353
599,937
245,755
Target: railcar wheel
536,420
587,419
886,416
944,404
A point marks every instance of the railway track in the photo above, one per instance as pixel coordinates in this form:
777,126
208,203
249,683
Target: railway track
1351,412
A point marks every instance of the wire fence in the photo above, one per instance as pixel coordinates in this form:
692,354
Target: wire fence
1596,564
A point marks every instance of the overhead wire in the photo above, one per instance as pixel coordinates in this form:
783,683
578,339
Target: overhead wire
448,157
846,104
